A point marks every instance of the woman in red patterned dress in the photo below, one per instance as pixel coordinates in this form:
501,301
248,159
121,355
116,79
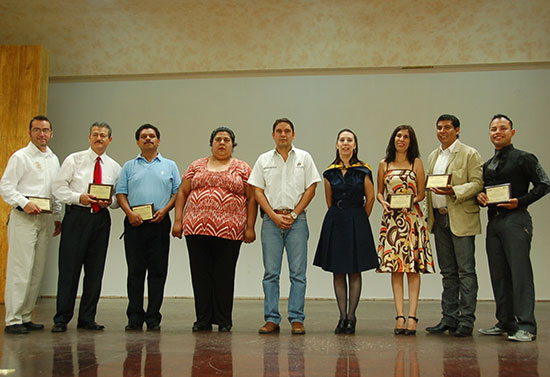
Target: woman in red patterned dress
216,211
404,244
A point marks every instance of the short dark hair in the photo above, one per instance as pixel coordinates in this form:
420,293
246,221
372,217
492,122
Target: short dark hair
354,157
102,125
496,116
412,152
223,129
283,120
40,117
454,121
145,126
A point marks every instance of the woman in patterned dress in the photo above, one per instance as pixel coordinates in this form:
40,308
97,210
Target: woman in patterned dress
216,211
404,245
346,245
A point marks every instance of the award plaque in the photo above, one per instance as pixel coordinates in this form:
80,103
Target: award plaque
438,180
101,191
145,211
45,204
498,193
400,201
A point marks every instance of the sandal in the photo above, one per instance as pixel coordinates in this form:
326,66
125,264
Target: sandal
399,331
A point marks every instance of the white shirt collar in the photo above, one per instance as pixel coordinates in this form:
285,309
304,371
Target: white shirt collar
449,149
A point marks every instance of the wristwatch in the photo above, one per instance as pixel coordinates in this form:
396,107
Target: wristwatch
294,215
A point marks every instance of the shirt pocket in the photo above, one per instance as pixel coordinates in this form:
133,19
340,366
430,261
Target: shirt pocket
271,173
299,176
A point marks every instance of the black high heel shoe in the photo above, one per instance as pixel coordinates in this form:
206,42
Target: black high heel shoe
341,327
411,332
398,331
350,326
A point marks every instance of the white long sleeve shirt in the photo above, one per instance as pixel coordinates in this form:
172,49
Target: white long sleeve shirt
30,172
77,172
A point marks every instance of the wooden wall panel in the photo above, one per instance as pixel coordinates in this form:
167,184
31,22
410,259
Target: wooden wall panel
23,94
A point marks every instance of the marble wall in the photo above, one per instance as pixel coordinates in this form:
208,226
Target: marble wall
142,37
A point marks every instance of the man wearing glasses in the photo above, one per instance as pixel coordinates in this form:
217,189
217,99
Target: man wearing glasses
34,218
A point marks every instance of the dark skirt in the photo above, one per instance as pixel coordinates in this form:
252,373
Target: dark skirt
346,244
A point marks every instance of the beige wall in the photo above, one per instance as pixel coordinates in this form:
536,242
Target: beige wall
187,110
129,37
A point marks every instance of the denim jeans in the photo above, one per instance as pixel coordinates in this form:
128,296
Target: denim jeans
274,241
456,258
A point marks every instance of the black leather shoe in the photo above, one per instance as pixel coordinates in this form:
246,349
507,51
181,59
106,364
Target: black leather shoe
31,326
463,331
199,327
16,329
341,327
59,327
440,328
133,327
224,328
94,326
397,330
153,327
350,326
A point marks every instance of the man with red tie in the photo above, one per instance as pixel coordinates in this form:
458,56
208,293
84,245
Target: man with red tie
86,227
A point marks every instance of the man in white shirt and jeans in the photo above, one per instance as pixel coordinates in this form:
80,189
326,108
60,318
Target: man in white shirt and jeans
285,180
86,228
29,173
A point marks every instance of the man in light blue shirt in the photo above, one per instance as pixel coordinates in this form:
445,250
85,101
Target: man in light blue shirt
148,179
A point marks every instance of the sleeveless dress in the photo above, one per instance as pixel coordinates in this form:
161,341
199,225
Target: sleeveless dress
404,243
346,244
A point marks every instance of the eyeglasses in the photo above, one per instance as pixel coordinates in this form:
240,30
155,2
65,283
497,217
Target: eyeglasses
37,131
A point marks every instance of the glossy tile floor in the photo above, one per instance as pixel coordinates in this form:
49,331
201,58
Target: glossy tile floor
176,351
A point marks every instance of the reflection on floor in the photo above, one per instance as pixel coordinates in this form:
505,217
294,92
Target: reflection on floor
176,351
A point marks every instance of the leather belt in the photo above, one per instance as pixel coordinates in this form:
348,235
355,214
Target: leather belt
442,210
74,207
282,211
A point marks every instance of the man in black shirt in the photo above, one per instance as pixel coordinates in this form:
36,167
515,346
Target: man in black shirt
510,230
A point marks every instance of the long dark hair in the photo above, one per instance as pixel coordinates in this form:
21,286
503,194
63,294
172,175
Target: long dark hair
412,151
354,159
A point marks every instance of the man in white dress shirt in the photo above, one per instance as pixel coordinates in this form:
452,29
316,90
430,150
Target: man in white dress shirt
285,179
29,173
86,228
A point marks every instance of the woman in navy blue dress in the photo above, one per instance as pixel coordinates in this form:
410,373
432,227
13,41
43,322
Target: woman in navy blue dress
346,245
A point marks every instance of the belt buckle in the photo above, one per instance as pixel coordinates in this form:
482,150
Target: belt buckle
443,210
338,204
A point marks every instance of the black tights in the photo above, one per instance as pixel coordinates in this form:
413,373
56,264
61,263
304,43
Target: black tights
341,291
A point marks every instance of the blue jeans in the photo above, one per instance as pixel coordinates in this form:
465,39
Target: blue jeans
456,257
274,240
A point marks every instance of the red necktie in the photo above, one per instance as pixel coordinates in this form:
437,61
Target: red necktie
97,179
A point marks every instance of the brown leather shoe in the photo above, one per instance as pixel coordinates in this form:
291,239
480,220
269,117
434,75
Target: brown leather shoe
269,328
298,328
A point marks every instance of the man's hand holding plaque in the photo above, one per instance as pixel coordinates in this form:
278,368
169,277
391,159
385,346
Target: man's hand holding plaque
498,194
439,184
100,191
39,205
145,211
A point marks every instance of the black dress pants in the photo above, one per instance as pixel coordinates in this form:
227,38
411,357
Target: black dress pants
212,261
147,248
508,247
84,241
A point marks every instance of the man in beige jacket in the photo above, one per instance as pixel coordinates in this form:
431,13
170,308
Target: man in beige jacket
453,217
